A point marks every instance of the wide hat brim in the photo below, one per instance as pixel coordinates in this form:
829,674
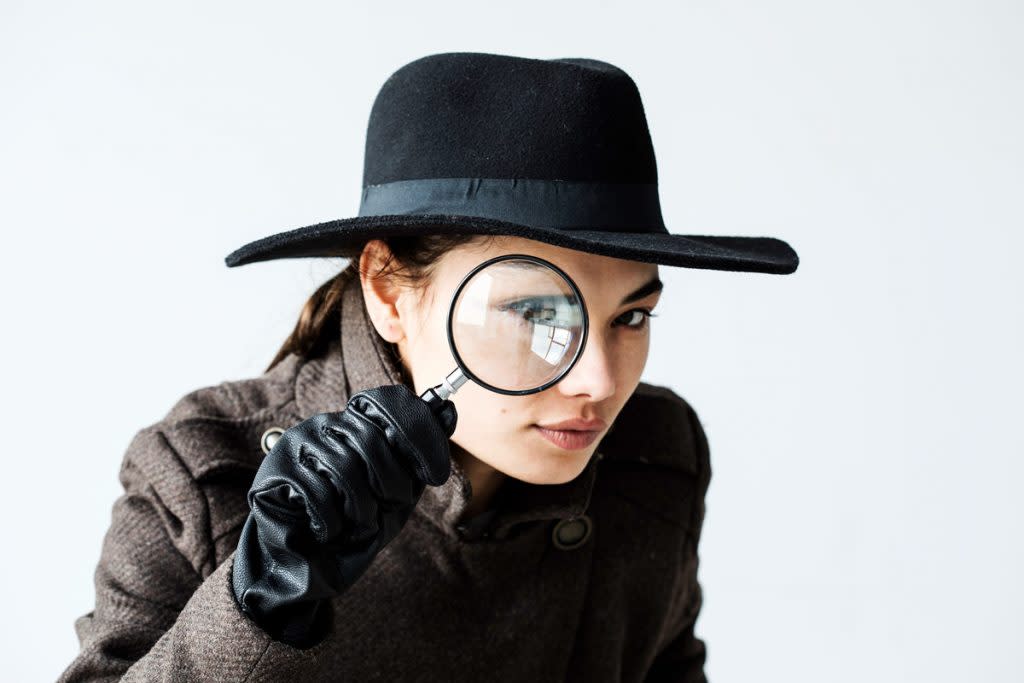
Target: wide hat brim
714,252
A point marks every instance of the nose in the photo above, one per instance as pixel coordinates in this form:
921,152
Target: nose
593,374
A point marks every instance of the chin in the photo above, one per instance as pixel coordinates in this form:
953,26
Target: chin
551,468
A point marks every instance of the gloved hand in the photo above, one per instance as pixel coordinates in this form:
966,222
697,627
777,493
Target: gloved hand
331,493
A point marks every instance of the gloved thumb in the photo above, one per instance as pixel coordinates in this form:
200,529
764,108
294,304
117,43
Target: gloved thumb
448,416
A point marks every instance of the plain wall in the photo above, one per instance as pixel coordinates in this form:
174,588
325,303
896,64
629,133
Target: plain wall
863,521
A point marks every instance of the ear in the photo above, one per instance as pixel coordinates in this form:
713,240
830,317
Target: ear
380,291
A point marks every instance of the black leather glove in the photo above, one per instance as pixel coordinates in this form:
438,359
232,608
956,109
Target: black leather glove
331,493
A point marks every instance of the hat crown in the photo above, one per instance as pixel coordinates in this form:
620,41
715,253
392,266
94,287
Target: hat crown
482,115
553,150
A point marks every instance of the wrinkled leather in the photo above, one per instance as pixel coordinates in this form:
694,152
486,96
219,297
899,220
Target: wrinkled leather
332,492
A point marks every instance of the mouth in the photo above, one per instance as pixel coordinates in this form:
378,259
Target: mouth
569,439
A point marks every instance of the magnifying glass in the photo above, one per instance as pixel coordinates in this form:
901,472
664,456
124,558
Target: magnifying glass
516,325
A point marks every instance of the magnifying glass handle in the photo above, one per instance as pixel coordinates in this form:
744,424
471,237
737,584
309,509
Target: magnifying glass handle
437,397
455,379
433,399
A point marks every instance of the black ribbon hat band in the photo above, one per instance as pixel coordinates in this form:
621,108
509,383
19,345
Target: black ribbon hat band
557,204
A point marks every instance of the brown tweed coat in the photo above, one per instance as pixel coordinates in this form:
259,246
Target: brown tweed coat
493,598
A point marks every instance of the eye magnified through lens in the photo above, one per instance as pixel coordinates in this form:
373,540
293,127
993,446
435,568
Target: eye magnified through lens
516,325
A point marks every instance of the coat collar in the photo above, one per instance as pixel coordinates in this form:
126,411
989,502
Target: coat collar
360,359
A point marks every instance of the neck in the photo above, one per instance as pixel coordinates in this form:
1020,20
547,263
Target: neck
484,480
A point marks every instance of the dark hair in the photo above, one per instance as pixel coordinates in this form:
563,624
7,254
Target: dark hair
319,321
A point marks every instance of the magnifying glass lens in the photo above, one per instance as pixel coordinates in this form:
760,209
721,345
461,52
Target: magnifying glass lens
517,324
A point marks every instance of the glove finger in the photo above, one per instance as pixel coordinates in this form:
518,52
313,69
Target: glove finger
448,416
388,472
329,486
411,428
348,506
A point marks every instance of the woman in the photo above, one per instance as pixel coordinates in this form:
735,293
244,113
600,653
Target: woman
320,522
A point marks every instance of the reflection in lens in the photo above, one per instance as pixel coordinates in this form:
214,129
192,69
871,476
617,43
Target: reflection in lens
517,324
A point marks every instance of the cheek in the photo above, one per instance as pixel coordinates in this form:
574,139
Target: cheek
428,355
490,425
487,412
636,358
632,359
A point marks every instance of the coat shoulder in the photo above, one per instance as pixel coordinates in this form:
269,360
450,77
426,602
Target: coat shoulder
219,427
195,464
658,427
656,459
240,398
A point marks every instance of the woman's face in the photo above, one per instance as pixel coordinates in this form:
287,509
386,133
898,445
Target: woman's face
504,431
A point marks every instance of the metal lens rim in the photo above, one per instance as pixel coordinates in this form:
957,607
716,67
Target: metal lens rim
451,313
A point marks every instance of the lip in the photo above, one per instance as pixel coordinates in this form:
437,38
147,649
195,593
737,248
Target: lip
576,424
570,435
569,439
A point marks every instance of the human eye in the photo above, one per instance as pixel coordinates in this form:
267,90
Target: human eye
529,310
636,319
539,310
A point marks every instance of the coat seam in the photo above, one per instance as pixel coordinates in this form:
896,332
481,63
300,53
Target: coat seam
252,669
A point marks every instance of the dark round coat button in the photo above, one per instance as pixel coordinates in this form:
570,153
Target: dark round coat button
269,438
571,533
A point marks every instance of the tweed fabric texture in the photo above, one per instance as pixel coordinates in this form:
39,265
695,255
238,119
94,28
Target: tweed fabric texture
437,604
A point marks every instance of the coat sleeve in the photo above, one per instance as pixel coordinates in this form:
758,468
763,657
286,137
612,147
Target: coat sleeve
682,658
162,610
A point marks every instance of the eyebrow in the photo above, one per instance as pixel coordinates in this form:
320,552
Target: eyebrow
655,285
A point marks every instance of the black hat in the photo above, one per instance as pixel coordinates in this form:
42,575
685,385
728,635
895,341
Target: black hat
553,150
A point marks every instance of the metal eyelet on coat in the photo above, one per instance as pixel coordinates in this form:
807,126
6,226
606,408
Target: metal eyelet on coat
269,438
571,533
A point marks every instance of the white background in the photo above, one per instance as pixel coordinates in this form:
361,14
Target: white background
863,521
